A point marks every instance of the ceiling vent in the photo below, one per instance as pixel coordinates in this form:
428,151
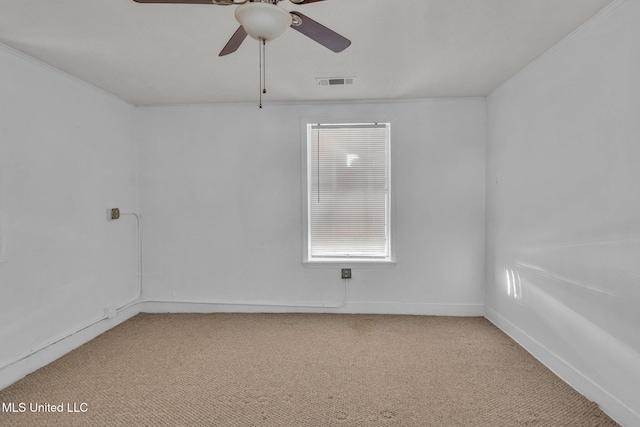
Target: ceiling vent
335,81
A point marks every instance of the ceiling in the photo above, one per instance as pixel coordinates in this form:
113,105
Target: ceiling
150,54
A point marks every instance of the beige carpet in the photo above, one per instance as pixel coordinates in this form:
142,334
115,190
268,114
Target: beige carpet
300,370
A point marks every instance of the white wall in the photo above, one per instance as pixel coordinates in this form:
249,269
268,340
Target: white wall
563,209
221,195
67,153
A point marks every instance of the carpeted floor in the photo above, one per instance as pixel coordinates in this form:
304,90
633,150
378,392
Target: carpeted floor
299,370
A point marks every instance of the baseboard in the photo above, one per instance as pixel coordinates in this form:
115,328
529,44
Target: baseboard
457,310
25,364
612,406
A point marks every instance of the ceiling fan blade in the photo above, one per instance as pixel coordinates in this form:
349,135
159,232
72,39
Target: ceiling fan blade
176,1
318,32
304,1
234,42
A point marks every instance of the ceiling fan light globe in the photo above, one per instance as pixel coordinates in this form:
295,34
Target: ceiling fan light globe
263,20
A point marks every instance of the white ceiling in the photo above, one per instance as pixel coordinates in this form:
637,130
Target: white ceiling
168,54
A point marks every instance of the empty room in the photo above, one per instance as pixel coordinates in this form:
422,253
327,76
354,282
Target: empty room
320,213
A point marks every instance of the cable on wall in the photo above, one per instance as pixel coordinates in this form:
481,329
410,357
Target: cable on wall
260,304
139,241
139,230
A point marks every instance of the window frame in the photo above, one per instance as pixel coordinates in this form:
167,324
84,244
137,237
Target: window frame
308,261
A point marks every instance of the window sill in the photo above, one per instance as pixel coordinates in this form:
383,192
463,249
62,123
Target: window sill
346,263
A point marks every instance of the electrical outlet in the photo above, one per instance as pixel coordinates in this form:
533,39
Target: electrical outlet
115,213
346,273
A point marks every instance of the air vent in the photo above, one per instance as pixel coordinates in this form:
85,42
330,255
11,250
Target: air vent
335,81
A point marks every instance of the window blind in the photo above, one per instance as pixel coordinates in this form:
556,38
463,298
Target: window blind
348,191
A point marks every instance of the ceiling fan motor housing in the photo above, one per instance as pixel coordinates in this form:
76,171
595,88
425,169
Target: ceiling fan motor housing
263,21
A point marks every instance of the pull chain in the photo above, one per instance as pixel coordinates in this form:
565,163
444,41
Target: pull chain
260,73
318,157
263,67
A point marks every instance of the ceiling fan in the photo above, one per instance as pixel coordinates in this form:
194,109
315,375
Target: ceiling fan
264,20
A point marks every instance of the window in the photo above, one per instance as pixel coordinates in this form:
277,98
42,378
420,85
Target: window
348,192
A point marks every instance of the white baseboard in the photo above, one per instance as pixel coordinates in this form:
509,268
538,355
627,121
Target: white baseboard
457,310
38,358
612,406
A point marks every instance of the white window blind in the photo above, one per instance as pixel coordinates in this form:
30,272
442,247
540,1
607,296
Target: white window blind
348,168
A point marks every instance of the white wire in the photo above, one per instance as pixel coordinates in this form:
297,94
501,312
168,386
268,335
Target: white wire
139,241
258,304
139,297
